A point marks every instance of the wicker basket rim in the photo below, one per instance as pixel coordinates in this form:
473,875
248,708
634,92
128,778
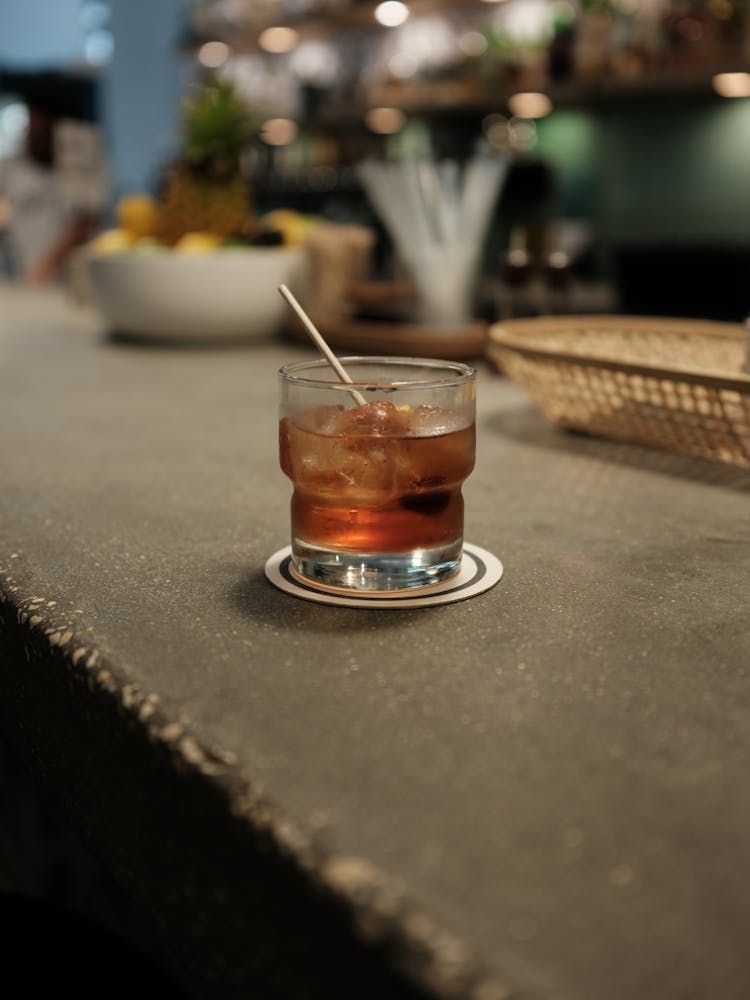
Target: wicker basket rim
511,333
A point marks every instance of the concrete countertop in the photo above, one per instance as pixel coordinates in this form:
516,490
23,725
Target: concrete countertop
541,792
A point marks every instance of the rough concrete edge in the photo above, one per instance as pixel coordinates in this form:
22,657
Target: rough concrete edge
429,956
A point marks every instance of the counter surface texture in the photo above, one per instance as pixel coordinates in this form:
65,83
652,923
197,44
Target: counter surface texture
541,792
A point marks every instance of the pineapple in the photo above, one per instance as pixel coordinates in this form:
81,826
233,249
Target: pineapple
205,192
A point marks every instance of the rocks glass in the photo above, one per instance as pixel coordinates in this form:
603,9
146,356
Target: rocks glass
377,467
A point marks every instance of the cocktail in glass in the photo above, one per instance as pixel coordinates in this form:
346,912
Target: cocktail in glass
377,467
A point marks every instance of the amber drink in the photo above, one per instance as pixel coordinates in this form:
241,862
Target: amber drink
377,468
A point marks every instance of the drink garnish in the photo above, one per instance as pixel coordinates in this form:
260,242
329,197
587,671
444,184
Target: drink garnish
321,344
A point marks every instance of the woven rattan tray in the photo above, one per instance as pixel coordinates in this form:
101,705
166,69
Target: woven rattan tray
676,384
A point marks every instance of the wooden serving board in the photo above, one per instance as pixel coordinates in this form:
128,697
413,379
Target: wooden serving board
403,339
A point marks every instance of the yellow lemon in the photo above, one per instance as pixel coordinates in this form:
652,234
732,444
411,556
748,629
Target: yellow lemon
138,214
197,243
293,226
111,241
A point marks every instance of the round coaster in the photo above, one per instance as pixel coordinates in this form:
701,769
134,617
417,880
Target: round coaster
479,571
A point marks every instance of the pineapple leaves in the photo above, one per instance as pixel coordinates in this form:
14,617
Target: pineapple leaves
217,128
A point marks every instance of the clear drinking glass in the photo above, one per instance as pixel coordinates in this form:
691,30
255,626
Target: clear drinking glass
377,467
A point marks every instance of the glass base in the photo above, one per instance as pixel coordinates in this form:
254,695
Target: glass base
376,571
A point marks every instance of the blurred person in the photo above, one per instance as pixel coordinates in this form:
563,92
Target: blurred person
52,193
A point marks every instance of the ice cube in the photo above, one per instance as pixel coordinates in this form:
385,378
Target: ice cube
427,421
377,419
317,419
431,462
351,468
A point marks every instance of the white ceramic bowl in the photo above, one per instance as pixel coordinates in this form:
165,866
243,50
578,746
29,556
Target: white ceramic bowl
220,294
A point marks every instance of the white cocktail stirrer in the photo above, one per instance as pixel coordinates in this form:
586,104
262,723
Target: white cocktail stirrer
320,343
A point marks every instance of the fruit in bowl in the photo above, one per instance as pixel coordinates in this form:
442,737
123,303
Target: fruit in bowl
204,286
205,295
138,215
196,262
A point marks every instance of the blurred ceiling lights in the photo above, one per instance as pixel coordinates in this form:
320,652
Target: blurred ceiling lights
472,43
93,14
278,39
317,62
403,65
517,134
732,84
213,54
278,131
521,134
98,47
527,23
391,13
530,105
98,41
385,121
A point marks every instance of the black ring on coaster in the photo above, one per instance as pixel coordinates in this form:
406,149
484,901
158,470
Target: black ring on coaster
487,572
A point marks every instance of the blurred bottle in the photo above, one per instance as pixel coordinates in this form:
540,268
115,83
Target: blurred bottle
593,42
516,273
561,53
558,279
